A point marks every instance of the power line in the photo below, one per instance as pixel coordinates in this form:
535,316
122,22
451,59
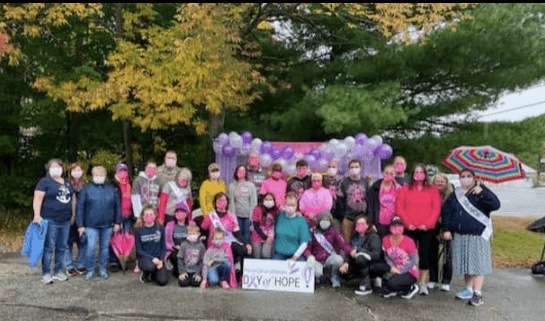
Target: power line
516,108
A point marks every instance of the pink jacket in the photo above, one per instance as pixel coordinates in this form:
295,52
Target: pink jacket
313,202
226,246
277,188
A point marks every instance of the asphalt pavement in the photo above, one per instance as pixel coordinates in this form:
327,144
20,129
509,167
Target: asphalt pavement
510,294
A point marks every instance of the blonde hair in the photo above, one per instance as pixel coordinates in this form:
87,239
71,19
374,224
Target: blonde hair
316,175
140,220
446,193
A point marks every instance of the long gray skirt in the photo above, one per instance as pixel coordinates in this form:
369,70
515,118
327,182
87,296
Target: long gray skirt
472,255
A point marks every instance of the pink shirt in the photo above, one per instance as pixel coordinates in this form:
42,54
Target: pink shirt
387,199
266,223
228,221
419,207
399,254
313,202
277,188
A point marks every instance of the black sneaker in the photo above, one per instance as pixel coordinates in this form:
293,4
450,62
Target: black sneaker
365,287
411,292
385,293
476,300
82,271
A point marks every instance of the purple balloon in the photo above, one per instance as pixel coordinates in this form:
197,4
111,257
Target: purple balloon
361,138
311,160
275,153
384,151
316,153
358,151
372,145
223,139
328,153
341,171
288,153
265,148
228,151
246,137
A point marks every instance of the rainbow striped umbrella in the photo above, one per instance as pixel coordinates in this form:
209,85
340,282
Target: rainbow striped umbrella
488,163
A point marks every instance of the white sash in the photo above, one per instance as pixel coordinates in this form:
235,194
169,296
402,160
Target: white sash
177,191
229,237
475,213
325,243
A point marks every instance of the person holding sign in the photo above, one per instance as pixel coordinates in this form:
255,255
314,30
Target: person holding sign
323,251
466,213
292,233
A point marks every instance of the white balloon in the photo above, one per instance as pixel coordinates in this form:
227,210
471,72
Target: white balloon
236,141
333,142
378,139
217,147
341,149
290,170
256,144
265,160
350,142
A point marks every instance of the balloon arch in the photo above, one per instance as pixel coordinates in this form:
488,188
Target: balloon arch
232,149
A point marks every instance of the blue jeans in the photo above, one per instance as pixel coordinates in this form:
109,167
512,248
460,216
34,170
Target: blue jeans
244,224
56,238
218,273
283,257
102,235
73,237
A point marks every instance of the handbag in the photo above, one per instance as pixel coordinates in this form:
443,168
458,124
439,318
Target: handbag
538,268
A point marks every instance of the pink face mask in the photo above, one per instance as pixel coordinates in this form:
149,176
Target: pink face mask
254,161
241,173
389,177
419,177
396,229
149,219
150,172
400,168
316,185
180,216
221,205
361,227
182,183
277,175
122,175
301,172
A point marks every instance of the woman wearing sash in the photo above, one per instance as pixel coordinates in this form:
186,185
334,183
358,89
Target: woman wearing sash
173,193
227,221
466,213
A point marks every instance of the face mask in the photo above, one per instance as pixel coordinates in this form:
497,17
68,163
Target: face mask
389,178
254,162
149,219
332,171
180,216
361,228
419,177
355,171
217,243
55,171
396,230
400,168
192,238
150,172
466,181
76,174
268,204
182,183
221,205
99,179
277,175
123,175
215,175
301,172
316,185
241,173
324,225
290,211
170,163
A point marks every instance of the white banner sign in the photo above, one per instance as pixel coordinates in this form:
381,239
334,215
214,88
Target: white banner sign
273,275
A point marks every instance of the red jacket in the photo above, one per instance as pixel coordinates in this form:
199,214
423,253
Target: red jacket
419,208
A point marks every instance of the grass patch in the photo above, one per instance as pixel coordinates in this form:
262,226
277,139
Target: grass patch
513,245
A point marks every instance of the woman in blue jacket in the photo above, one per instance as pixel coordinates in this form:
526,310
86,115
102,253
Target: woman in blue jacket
466,213
97,211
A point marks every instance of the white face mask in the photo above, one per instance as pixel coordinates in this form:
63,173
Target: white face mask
324,225
268,204
332,171
99,179
355,171
76,174
55,171
466,181
170,163
290,211
215,175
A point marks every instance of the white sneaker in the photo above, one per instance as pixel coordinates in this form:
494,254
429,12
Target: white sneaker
423,290
47,279
60,276
377,282
432,285
445,287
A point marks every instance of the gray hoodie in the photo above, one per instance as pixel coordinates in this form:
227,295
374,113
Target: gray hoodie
145,190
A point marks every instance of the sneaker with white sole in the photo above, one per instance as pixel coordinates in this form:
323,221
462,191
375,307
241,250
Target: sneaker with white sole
335,282
464,294
47,279
445,287
411,293
60,276
385,293
424,290
476,300
431,285
365,287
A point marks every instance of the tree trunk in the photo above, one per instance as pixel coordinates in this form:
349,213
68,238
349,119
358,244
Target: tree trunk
216,123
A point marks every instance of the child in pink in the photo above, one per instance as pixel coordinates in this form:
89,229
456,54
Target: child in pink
315,200
218,266
276,185
262,234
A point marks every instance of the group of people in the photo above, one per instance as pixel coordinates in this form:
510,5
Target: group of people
386,233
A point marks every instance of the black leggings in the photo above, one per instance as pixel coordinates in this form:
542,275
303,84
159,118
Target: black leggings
394,282
190,280
423,240
160,276
447,259
239,253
